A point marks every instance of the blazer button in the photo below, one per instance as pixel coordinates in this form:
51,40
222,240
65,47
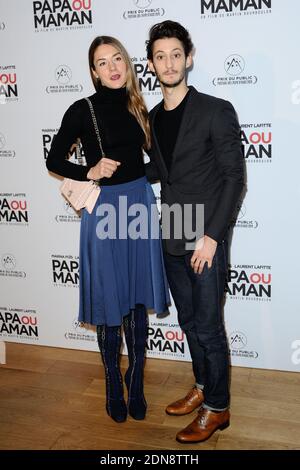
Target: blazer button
169,182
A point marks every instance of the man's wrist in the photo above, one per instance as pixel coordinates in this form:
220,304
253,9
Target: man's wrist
210,240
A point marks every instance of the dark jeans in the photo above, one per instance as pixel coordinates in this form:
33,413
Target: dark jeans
199,301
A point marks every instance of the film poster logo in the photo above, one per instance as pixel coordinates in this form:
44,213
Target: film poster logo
68,214
143,9
257,142
13,209
211,9
241,220
166,340
81,332
8,84
249,282
9,267
149,84
236,73
48,135
238,346
64,84
65,270
19,323
4,152
62,15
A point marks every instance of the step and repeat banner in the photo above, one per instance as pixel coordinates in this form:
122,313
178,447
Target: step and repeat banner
246,51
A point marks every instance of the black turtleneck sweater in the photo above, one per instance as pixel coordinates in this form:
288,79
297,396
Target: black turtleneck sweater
122,138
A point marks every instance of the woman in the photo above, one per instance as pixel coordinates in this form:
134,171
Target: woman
120,276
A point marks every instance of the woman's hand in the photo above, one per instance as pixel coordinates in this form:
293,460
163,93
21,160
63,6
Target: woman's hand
105,168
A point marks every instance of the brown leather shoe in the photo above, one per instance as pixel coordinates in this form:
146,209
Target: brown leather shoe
187,404
206,423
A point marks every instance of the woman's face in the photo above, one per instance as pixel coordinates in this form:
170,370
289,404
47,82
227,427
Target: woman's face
110,66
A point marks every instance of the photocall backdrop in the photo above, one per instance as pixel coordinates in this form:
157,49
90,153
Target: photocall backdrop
245,51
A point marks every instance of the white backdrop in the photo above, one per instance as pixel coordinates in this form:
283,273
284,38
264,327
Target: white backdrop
246,52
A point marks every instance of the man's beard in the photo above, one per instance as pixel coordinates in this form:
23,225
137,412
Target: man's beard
172,85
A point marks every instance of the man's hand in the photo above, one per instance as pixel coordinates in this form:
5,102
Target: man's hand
203,253
105,168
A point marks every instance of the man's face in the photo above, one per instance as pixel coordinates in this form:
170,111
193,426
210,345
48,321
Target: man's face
169,61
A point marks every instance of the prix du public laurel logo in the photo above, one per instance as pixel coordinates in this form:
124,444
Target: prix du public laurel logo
5,153
8,262
9,267
2,141
142,10
240,220
237,344
234,66
142,3
238,340
63,74
81,332
67,214
63,77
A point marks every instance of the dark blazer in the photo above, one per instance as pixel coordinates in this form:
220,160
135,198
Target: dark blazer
207,166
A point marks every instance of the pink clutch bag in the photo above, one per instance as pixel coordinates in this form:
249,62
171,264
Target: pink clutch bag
82,194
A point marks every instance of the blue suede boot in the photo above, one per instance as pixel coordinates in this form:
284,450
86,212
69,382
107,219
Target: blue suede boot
109,341
135,328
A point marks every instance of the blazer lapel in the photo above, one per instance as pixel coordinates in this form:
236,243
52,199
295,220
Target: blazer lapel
160,158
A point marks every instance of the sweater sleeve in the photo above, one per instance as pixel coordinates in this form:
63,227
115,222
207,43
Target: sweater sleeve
69,131
225,132
151,170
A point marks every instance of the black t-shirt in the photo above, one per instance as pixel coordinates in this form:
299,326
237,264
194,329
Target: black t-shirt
167,124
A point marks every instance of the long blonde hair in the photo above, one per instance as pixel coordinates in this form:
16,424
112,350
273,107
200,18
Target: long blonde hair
136,104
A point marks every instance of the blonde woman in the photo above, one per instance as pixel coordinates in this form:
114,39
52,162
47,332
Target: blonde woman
121,269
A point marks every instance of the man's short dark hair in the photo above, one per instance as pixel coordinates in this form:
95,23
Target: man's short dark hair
169,29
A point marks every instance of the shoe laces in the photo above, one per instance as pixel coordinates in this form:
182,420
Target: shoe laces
190,393
202,416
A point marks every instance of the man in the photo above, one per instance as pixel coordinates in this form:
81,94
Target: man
196,154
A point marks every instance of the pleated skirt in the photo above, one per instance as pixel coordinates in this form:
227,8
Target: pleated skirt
117,271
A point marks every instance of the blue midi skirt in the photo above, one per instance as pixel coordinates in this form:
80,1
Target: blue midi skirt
117,271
